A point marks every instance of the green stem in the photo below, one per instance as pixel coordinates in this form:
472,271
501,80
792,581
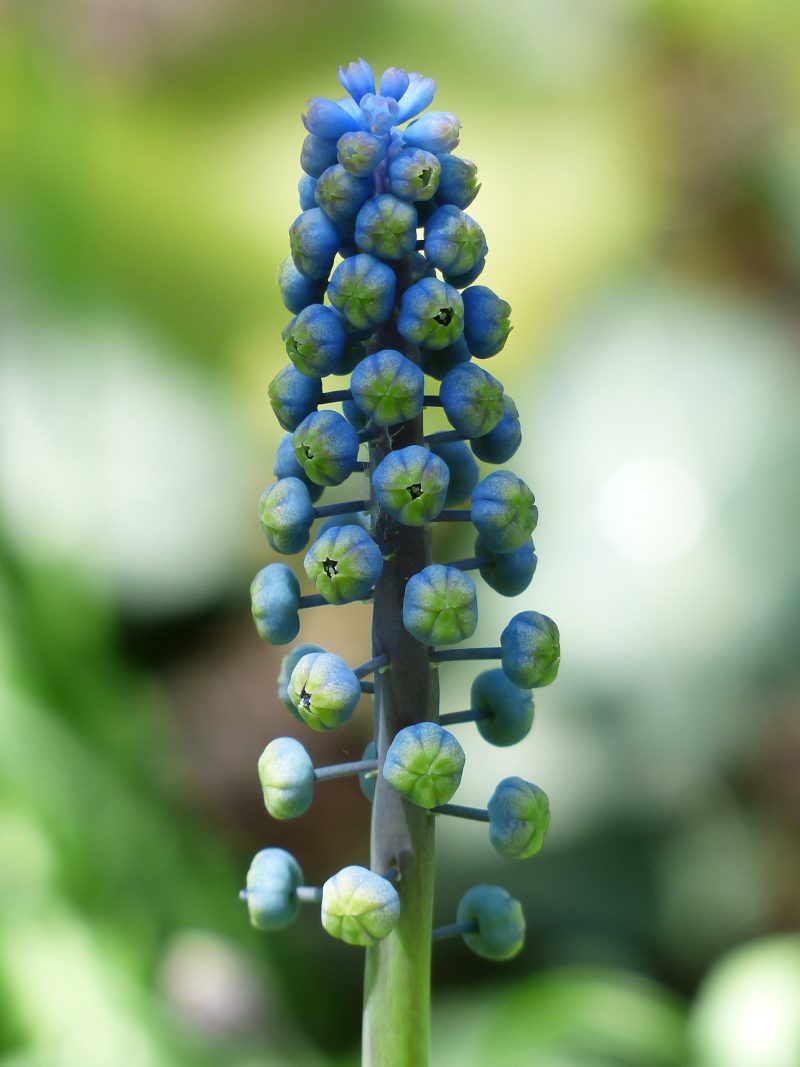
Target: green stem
396,1024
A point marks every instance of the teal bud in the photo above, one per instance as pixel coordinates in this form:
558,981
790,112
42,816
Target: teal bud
463,471
367,779
424,763
411,485
486,321
519,814
431,314
454,242
272,883
388,388
344,563
324,690
440,605
510,708
326,447
340,194
508,573
500,443
458,182
499,918
293,396
317,154
314,241
413,174
298,291
288,664
275,603
503,511
286,514
386,227
472,399
286,466
287,778
360,152
315,341
531,650
438,364
359,907
362,289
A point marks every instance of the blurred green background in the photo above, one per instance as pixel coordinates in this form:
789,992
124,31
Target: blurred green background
640,162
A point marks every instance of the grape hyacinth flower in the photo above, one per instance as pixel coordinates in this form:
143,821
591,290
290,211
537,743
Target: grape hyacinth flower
396,312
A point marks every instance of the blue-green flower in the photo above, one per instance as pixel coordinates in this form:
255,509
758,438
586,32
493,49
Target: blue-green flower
424,762
440,605
519,814
359,907
287,778
272,883
499,918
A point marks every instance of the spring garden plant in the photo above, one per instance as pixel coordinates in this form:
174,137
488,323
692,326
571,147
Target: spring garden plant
381,283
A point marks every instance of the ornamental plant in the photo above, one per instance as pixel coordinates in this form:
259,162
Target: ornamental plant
382,285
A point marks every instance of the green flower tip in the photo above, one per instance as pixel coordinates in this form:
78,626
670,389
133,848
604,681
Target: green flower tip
424,762
287,778
531,650
359,907
519,814
500,922
324,690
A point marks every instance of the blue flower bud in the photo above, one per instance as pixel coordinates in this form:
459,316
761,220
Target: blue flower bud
486,322
359,907
503,511
293,396
454,242
440,605
314,241
501,923
367,779
394,83
436,132
437,364
431,314
460,281
417,96
324,690
500,444
511,708
531,651
411,485
360,152
344,563
326,447
419,267
317,154
362,288
508,573
297,290
324,118
286,514
288,664
315,341
463,471
306,187
387,227
472,399
287,778
413,174
519,815
340,194
357,79
424,762
275,603
286,466
458,183
379,113
355,348
272,883
388,387
354,415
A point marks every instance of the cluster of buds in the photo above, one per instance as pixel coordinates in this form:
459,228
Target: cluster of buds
403,311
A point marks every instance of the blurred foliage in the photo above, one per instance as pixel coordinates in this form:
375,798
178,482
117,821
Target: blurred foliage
640,161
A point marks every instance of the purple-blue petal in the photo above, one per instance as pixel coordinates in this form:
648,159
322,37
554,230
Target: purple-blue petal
325,118
417,97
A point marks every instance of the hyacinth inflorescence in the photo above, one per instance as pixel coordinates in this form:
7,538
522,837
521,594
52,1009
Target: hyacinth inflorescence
382,283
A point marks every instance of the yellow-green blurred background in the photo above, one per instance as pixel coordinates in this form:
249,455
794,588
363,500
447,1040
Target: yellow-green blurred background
640,162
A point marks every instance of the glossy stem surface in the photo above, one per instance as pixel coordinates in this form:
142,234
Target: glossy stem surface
396,1022
342,770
